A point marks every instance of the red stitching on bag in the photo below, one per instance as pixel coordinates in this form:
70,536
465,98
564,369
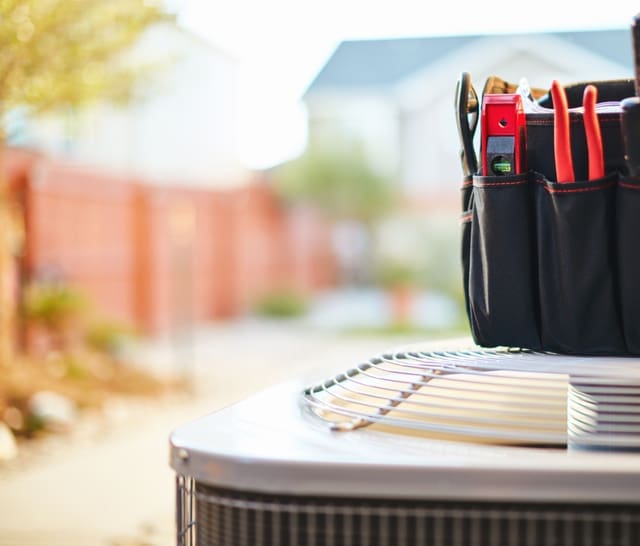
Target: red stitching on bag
574,190
629,186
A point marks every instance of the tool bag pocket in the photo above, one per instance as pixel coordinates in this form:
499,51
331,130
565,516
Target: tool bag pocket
577,266
465,221
628,240
553,266
502,282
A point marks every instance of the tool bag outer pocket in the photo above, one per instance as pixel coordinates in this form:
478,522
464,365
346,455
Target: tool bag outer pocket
501,280
465,221
577,269
628,240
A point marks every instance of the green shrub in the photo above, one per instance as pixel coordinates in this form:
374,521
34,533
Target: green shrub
109,336
282,304
391,274
53,305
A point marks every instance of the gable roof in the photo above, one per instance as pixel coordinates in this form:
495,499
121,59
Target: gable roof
384,62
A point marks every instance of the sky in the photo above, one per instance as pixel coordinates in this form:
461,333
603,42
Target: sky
280,46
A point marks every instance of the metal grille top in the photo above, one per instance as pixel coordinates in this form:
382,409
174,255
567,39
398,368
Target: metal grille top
489,395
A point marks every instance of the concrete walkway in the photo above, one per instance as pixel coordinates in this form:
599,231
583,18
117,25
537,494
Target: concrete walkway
109,483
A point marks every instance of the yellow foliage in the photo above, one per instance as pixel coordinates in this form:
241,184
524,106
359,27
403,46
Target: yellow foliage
68,52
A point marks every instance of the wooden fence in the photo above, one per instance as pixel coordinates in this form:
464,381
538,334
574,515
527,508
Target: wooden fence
157,257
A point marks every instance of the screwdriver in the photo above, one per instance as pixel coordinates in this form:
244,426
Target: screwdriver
630,117
630,122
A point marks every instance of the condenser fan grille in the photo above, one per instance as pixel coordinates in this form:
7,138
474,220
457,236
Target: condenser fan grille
490,395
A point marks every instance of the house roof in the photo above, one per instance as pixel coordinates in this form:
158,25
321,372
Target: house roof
384,62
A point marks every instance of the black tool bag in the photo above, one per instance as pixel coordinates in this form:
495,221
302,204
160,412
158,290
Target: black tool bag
556,266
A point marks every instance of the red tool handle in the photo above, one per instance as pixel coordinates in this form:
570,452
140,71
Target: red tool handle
561,134
592,132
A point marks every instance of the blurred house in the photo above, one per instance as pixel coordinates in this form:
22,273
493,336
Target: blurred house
179,129
396,96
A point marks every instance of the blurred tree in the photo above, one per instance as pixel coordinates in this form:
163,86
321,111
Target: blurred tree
339,181
56,54
69,53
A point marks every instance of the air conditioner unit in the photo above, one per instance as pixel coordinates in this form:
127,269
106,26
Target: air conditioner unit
470,447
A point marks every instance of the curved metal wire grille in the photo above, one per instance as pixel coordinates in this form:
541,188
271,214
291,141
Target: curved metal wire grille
491,395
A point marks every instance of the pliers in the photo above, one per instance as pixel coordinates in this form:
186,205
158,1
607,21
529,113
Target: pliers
467,113
562,133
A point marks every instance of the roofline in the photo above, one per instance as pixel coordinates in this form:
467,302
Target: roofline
557,33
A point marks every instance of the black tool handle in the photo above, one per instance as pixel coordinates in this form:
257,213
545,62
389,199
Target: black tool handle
635,36
630,122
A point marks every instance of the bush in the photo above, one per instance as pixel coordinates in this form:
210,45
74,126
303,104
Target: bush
392,274
282,304
109,336
53,305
